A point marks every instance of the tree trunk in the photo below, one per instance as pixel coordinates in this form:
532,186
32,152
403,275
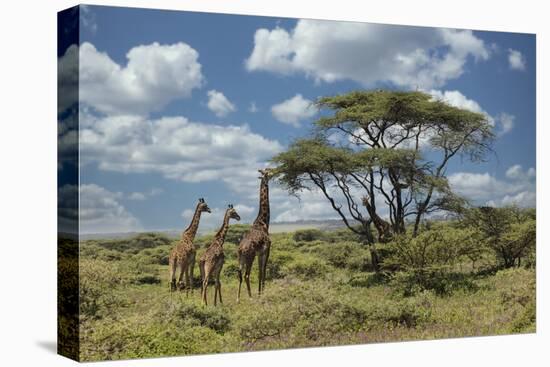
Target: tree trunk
375,260
369,241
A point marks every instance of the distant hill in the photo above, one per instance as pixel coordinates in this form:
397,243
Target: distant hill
275,227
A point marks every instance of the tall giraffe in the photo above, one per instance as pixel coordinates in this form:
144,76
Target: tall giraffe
256,240
183,254
211,262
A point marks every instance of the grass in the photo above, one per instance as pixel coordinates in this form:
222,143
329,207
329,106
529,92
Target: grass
313,297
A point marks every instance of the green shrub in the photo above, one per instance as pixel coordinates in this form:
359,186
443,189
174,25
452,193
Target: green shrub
230,270
440,280
307,268
515,286
526,322
98,279
236,232
349,255
198,315
433,248
366,280
408,312
308,235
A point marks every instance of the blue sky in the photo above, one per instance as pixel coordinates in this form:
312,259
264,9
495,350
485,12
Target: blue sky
242,85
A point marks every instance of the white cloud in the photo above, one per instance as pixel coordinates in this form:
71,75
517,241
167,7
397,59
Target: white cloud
174,147
154,75
100,209
140,196
516,60
503,123
67,79
522,199
506,121
219,104
328,51
483,188
253,108
214,220
137,196
514,171
293,110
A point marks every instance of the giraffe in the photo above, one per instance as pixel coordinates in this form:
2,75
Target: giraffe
256,240
182,255
211,262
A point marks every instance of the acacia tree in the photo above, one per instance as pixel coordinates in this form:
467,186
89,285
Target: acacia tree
384,152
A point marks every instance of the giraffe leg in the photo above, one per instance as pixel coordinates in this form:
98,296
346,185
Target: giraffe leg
173,268
205,285
215,292
219,289
261,260
180,278
187,281
240,276
191,276
264,271
247,278
204,290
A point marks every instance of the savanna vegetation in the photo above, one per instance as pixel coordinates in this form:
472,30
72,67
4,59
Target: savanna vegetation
391,274
450,281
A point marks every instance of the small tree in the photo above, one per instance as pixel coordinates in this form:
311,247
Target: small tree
509,231
368,156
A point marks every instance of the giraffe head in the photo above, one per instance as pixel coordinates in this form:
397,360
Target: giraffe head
203,207
266,173
232,212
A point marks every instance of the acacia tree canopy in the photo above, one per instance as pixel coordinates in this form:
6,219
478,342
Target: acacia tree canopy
384,152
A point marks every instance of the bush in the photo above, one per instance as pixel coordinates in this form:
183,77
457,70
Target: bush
409,312
366,280
510,232
307,268
440,280
132,245
236,232
515,286
197,315
308,235
276,264
350,255
433,248
98,280
304,313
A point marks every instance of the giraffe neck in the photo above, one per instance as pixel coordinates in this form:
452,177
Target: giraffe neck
220,235
263,212
191,231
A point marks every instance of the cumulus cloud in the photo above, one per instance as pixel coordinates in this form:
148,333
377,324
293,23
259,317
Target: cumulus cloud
293,110
67,79
483,188
328,51
100,210
516,60
67,209
154,75
503,122
213,220
141,196
506,122
219,104
174,147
